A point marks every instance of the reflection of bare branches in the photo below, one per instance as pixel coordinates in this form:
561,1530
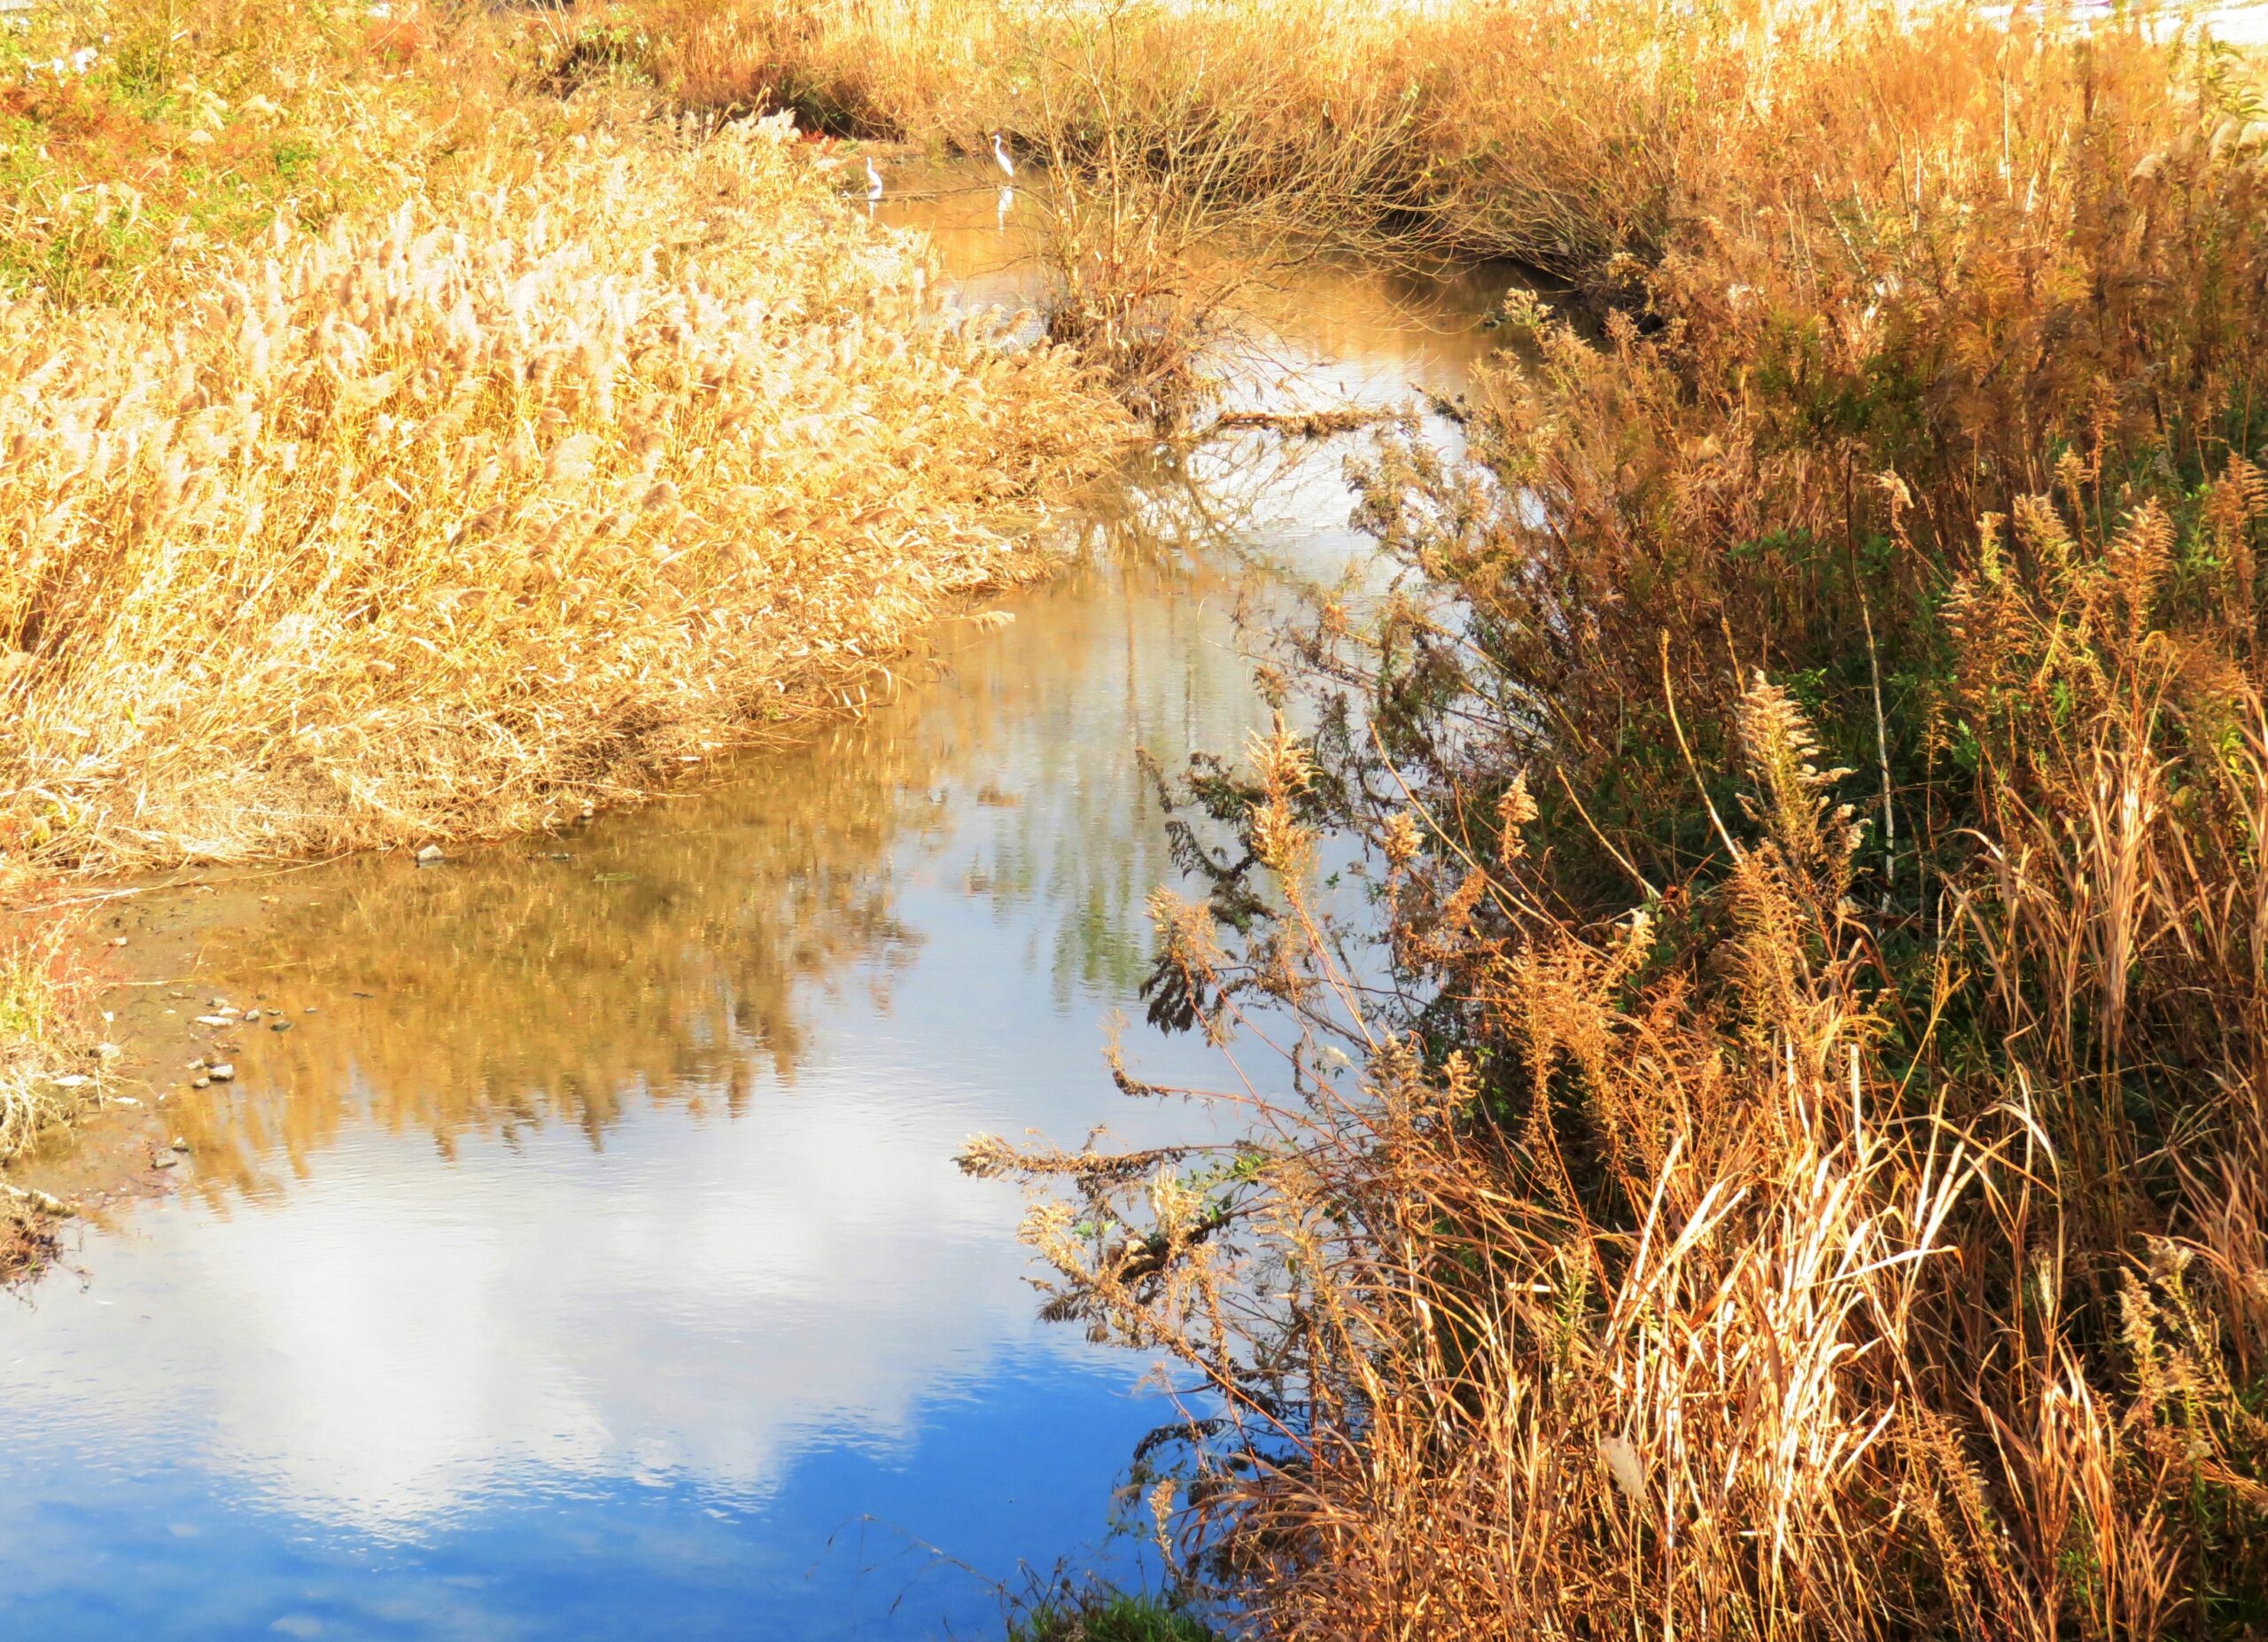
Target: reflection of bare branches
1300,424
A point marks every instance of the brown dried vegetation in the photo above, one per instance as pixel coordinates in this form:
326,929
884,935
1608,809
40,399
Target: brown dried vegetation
1793,1164
402,437
461,514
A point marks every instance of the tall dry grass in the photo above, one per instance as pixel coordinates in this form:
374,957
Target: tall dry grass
1561,133
414,429
52,1069
462,516
1792,1164
1180,161
1190,153
140,137
47,1054
1696,1272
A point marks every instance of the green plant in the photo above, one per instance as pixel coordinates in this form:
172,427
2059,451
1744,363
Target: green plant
1101,1615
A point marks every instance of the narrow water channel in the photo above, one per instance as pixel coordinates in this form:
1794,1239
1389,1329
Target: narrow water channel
587,1258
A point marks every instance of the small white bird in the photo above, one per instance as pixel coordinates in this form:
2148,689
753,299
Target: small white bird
1001,154
874,182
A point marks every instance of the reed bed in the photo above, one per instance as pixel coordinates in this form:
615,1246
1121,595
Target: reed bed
1788,1163
1560,133
413,430
460,517
1180,163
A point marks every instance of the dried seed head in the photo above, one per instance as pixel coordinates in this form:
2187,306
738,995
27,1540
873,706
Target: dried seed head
1622,1464
570,461
1514,810
1402,839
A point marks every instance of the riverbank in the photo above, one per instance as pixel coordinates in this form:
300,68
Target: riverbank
420,433
1813,777
1563,135
494,499
647,1127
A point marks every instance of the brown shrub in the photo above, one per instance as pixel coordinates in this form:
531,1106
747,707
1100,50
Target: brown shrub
1790,1167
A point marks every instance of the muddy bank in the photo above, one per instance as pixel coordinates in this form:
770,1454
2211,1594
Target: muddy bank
136,953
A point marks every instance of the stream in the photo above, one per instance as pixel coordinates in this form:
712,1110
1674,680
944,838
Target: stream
588,1259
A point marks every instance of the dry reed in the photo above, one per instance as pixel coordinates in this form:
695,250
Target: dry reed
457,521
412,430
1180,161
1791,1167
48,1065
51,1069
1751,1197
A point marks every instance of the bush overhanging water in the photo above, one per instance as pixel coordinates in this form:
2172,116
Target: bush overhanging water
1795,1166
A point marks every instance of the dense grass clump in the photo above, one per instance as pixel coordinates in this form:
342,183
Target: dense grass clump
605,440
437,523
1793,1166
1103,1615
415,425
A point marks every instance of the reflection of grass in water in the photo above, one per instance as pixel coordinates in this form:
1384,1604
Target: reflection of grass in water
43,1030
671,959
1186,538
513,993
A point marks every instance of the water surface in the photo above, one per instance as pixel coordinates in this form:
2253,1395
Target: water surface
588,1259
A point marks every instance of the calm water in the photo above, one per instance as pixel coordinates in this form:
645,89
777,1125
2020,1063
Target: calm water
591,1262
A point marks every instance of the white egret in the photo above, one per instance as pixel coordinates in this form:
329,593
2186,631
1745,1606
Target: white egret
874,182
1001,154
